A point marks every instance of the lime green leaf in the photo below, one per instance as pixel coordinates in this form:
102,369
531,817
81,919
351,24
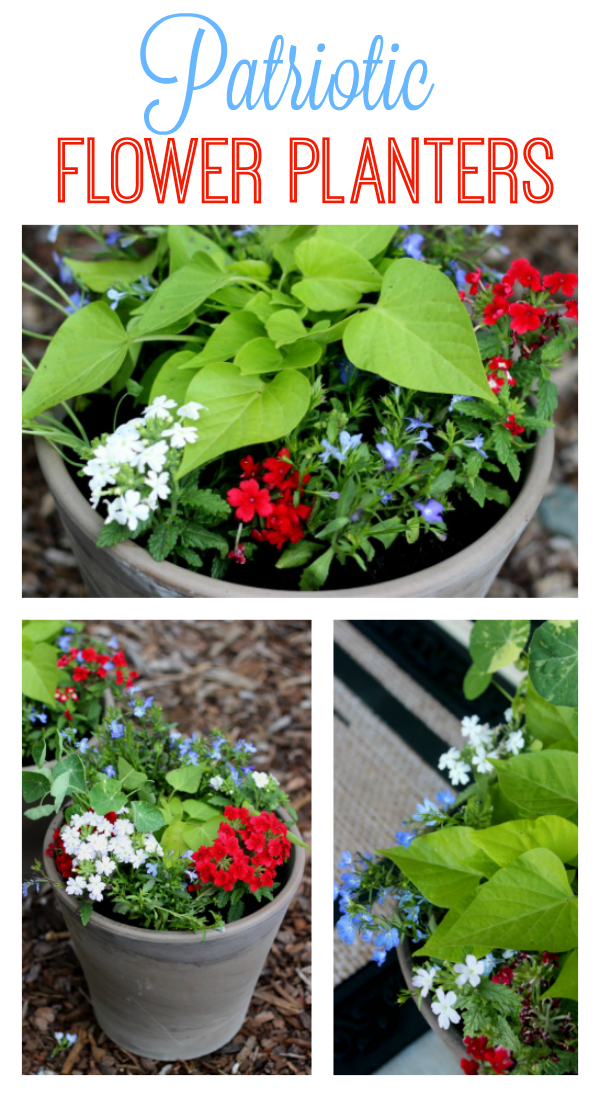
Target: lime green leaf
476,682
548,723
285,326
243,411
419,335
185,242
40,811
553,662
198,809
542,783
180,294
506,842
146,818
40,674
335,277
171,379
367,240
35,784
106,796
444,865
102,274
250,268
496,644
181,836
258,356
86,351
435,944
528,905
42,630
129,777
229,337
186,778
566,984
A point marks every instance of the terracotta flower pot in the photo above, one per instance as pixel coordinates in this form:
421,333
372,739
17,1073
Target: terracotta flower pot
128,571
452,1036
172,995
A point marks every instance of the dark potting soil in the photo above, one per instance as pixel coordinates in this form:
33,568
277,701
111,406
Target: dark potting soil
465,525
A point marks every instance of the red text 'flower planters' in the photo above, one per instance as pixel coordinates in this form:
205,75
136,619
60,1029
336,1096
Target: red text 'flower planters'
169,995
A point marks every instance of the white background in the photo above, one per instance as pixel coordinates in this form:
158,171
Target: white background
504,70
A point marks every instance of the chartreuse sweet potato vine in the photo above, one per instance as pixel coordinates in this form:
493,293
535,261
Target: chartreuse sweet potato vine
297,393
485,880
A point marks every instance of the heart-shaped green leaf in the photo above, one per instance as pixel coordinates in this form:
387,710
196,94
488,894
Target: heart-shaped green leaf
507,841
444,865
102,274
186,778
335,276
367,240
186,242
40,673
35,784
242,411
548,723
180,294
566,986
543,783
285,326
419,335
171,379
145,817
553,662
86,351
496,644
73,765
258,356
230,336
106,796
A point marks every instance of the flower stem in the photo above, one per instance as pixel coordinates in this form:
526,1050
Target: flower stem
44,297
47,278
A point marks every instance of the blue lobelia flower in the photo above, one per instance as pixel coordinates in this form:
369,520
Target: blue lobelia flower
422,440
52,234
348,371
113,238
445,798
389,454
346,931
412,245
476,443
110,771
431,511
416,424
83,745
424,809
387,939
245,230
64,643
112,643
457,400
151,869
65,274
493,230
379,956
242,744
348,442
78,301
350,879
405,837
117,731
345,860
115,296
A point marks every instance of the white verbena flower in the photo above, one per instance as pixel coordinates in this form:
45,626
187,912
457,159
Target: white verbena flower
130,427
159,408
443,1009
449,758
152,845
477,734
482,762
216,782
260,779
122,449
153,457
71,842
95,886
123,826
471,971
515,742
191,410
98,842
424,979
158,482
105,867
139,857
74,885
459,773
508,715
180,435
128,510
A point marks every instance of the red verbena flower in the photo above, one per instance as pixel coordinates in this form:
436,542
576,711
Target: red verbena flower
473,278
525,317
90,655
572,310
119,660
250,468
550,958
469,1066
499,1059
278,469
250,499
238,554
522,271
80,674
498,363
564,283
496,309
506,974
476,1046
66,659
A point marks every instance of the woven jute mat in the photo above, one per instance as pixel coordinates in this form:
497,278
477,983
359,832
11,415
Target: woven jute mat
378,778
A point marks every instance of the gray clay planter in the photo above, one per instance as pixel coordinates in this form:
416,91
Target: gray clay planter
128,571
170,995
452,1037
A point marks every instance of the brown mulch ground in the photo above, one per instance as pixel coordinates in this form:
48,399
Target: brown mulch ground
250,679
544,563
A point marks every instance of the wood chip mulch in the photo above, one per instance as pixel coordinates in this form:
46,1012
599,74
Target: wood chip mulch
250,679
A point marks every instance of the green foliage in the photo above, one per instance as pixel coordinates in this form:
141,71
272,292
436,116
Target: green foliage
419,335
39,672
548,723
496,644
566,986
476,682
540,783
102,274
445,865
504,843
335,276
87,350
106,795
186,778
553,662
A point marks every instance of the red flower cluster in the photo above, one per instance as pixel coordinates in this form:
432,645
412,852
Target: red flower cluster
283,517
499,373
63,861
525,316
66,694
248,849
512,425
504,975
498,1058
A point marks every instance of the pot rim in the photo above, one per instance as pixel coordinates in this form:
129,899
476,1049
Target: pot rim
181,937
197,585
451,1037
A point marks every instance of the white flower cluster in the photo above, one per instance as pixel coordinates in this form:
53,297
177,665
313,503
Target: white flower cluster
97,846
135,464
482,748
